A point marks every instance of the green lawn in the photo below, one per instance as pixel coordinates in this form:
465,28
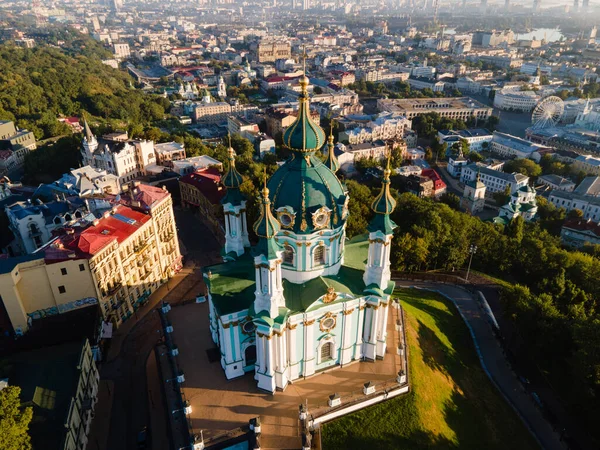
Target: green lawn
452,403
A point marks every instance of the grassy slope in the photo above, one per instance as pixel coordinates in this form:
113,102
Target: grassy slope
452,403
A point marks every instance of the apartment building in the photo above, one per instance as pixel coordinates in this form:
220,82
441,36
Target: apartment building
116,261
476,137
14,146
272,50
60,384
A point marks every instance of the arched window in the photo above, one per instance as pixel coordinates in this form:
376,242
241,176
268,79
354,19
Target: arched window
78,214
288,255
319,255
57,221
68,217
34,228
327,351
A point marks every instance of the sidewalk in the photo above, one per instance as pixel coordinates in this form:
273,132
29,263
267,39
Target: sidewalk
157,409
98,436
155,298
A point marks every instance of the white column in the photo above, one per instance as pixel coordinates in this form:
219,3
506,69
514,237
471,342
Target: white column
346,354
293,358
309,358
227,345
382,339
371,338
358,349
260,367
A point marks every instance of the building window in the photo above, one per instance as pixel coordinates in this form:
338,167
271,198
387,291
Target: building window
288,255
327,351
61,290
81,267
63,271
319,255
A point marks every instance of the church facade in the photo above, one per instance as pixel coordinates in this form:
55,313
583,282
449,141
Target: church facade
304,298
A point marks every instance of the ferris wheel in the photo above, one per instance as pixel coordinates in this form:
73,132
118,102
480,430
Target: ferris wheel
547,112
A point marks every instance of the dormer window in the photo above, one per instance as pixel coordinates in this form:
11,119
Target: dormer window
320,217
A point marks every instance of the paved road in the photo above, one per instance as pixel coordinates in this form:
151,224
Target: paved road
133,343
496,363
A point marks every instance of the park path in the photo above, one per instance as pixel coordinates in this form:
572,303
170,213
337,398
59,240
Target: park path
495,364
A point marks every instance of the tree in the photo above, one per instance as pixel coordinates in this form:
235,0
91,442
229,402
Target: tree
492,122
525,166
360,211
474,157
14,420
502,198
428,154
451,200
575,214
317,90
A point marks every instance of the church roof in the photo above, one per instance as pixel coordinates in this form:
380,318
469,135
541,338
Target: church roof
232,285
332,162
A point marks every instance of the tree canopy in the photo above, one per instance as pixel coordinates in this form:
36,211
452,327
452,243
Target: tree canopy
14,420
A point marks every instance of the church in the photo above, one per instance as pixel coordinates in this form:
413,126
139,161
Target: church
304,298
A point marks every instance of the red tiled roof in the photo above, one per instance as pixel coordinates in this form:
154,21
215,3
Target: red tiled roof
438,183
120,224
207,181
583,225
146,195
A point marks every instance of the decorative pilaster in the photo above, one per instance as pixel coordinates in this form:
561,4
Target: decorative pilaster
347,349
382,312
309,347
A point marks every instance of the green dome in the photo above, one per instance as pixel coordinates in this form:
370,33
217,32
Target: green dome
266,227
232,180
383,205
303,186
304,135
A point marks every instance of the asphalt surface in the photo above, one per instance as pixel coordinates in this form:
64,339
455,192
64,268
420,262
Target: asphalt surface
497,366
130,408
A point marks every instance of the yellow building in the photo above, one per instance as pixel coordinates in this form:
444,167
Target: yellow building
117,262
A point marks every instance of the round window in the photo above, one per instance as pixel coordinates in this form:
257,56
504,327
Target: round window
328,323
321,219
285,219
249,327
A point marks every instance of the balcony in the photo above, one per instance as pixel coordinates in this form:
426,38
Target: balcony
146,275
167,237
141,248
143,261
113,290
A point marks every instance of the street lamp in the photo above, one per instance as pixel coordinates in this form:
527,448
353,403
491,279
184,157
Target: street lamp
472,251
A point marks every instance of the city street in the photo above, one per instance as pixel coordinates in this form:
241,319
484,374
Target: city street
128,357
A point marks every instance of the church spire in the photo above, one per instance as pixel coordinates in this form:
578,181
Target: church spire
383,205
89,136
304,136
266,227
332,161
232,179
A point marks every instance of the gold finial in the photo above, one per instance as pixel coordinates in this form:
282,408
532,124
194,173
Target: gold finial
387,171
331,133
265,189
230,150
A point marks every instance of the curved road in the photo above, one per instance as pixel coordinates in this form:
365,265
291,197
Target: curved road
492,358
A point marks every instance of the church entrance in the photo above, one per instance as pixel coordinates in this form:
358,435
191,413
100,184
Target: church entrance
250,355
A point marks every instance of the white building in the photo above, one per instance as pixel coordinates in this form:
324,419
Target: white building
590,206
522,203
476,137
473,199
121,51
513,99
588,164
494,180
117,155
456,164
512,146
32,223
386,126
